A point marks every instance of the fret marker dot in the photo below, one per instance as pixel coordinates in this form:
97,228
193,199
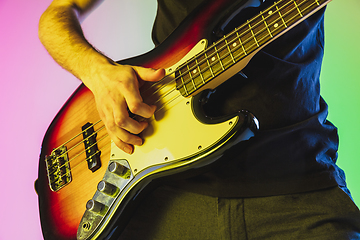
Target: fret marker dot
213,59
234,44
270,12
194,71
276,25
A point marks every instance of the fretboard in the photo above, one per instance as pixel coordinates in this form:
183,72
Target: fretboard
243,41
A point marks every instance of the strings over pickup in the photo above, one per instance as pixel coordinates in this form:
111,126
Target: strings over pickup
91,148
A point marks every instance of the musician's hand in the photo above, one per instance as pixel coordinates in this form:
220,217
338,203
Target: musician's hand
116,90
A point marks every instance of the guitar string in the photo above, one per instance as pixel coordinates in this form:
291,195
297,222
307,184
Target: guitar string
215,52
249,29
89,157
99,150
226,45
77,135
79,143
83,151
73,167
231,33
196,65
93,134
237,47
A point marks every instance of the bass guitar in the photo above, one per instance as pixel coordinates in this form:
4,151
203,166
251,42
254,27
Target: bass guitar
88,188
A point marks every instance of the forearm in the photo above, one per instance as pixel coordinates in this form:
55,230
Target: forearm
115,87
61,34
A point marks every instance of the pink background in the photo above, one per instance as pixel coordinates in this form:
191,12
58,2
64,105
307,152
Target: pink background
33,88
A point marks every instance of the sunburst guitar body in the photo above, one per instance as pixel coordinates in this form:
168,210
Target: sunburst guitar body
88,188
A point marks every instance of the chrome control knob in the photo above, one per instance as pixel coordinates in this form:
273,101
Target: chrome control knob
96,207
119,170
107,188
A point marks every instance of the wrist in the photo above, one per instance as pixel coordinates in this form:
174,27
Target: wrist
94,68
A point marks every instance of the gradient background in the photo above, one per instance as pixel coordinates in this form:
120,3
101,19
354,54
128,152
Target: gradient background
33,88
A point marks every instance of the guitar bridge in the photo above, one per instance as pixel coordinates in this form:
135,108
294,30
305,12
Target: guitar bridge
58,168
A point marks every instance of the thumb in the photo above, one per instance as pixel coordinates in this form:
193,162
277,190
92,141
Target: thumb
149,74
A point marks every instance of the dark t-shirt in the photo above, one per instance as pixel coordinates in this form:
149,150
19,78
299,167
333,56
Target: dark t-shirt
296,147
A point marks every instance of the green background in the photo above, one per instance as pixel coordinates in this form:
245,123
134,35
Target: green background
340,84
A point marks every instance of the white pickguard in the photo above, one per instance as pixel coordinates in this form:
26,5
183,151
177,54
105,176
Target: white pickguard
174,133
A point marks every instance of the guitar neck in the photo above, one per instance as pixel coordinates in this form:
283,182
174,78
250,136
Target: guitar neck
245,40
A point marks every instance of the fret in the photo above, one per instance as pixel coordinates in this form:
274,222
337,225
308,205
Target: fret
228,48
242,45
219,58
266,25
275,22
247,38
234,46
252,33
182,85
205,69
216,65
209,65
306,6
297,8
200,72
260,30
187,82
224,53
280,15
194,71
191,77
271,20
289,12
316,1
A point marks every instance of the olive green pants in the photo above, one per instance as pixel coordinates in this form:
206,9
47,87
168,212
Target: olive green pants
170,214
